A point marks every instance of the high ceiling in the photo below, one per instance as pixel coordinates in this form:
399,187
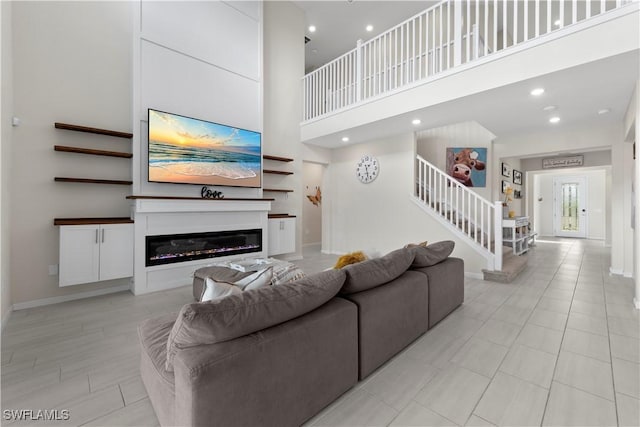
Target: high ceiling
340,23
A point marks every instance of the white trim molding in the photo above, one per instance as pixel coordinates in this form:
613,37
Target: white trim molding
70,297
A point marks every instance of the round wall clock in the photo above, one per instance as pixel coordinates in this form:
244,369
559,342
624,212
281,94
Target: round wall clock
367,169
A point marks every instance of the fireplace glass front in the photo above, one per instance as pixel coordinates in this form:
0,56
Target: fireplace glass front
172,248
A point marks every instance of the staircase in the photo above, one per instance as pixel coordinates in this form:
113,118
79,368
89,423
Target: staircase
470,217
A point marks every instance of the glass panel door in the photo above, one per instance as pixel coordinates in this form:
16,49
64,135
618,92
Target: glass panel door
570,207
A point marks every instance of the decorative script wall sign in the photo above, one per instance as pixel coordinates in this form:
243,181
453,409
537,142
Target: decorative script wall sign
563,162
205,193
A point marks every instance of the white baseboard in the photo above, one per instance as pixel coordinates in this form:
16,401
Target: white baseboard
472,275
304,245
615,271
5,318
636,303
70,297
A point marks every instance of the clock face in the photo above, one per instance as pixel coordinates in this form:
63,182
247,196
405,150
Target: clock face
367,169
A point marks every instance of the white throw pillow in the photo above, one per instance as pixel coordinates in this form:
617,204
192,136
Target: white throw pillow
214,290
256,280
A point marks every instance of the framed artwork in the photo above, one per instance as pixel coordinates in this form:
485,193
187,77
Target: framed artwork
517,194
517,177
505,185
506,170
468,165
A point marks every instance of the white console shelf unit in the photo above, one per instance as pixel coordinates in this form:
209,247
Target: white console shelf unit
180,215
515,233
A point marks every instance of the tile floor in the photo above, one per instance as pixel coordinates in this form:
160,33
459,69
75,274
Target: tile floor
560,346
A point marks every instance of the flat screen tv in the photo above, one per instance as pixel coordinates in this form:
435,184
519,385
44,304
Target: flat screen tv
184,150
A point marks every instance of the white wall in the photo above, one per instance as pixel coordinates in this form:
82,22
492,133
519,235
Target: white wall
380,215
185,64
6,108
283,70
72,63
311,214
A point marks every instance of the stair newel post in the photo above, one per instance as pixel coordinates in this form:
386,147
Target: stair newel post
358,70
497,235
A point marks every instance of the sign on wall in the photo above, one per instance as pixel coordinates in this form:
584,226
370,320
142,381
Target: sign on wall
562,162
468,165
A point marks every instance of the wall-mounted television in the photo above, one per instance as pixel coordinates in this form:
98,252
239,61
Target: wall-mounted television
184,150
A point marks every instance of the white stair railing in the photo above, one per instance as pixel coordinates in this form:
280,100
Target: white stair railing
469,215
445,36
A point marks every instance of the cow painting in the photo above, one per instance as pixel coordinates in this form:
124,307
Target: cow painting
468,165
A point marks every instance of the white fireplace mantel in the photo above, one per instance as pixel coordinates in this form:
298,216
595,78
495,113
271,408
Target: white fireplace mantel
174,215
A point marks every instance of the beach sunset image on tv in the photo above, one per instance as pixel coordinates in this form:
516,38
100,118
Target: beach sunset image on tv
191,151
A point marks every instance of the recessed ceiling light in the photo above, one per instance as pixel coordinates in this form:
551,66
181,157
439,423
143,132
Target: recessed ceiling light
312,28
345,139
537,91
555,119
557,23
369,27
604,111
416,121
549,108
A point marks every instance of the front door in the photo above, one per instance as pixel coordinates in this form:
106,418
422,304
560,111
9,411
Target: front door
570,213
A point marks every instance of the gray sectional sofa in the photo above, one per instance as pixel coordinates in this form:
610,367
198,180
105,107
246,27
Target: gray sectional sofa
276,356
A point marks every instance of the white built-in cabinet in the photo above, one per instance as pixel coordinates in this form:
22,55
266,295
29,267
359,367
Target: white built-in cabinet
282,235
95,252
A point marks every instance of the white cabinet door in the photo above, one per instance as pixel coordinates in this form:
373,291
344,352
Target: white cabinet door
79,254
288,236
92,253
282,236
116,251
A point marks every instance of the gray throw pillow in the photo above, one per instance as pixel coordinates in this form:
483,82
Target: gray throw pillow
242,314
426,256
375,272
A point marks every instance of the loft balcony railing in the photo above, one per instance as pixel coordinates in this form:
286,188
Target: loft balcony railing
441,38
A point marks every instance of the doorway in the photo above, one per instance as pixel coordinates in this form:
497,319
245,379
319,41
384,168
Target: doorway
312,176
570,206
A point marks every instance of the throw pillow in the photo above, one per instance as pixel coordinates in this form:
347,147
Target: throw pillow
375,272
413,245
432,254
247,312
348,259
214,289
256,280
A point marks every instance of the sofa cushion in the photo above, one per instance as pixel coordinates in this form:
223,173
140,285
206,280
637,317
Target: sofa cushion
378,271
426,256
153,334
241,314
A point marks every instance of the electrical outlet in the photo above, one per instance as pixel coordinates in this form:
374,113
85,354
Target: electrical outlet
53,270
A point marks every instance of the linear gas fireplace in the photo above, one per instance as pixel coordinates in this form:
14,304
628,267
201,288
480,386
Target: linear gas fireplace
172,248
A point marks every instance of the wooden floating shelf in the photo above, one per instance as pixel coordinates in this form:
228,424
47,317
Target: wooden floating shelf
277,172
86,129
196,198
92,181
89,221
273,216
276,158
277,190
91,151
